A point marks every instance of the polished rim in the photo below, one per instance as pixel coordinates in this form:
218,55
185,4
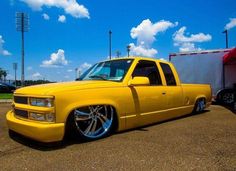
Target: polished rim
200,105
94,121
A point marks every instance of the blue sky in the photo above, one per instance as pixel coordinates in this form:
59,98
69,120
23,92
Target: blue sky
65,35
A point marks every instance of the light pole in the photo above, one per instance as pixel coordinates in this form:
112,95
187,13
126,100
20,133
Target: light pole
118,54
227,46
110,33
226,38
76,73
22,25
128,49
15,68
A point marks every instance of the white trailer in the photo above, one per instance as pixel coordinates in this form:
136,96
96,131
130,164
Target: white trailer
214,67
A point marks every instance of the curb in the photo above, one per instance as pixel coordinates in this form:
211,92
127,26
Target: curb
5,101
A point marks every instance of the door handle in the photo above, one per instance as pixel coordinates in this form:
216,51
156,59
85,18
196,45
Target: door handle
163,93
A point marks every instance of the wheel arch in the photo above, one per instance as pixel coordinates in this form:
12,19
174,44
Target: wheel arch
222,91
200,97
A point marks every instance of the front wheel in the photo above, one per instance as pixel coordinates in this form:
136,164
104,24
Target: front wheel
93,122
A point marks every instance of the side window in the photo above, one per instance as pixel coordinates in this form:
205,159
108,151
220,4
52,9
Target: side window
169,76
148,69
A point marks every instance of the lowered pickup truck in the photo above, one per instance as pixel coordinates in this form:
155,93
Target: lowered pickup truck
113,95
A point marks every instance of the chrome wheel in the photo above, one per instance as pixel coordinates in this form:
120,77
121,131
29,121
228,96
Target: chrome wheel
94,121
199,106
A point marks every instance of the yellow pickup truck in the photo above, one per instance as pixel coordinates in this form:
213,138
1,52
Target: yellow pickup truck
113,95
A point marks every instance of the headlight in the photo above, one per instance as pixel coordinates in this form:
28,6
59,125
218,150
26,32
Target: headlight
42,102
49,117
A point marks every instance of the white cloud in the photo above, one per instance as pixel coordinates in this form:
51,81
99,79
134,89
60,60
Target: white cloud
146,33
70,6
163,59
69,70
3,51
62,18
140,50
187,46
200,37
231,24
45,16
36,76
56,60
29,68
187,43
84,67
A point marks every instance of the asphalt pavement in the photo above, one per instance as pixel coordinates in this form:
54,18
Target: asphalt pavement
205,141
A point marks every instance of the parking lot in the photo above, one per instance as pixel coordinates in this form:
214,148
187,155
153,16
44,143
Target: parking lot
205,141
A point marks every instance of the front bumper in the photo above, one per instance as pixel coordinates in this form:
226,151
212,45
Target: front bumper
44,132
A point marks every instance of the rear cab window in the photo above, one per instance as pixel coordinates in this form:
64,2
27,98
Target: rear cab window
169,76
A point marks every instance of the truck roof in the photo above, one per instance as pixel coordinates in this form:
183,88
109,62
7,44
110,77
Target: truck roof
139,58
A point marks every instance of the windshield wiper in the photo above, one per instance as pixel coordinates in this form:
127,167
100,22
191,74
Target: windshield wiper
97,76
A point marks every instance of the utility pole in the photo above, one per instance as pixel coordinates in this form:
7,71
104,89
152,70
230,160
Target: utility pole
15,68
110,34
22,25
128,49
226,38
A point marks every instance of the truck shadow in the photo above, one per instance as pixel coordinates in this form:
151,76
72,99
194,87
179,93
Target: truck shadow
67,141
44,146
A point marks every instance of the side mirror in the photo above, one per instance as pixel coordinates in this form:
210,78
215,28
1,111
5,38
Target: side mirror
139,81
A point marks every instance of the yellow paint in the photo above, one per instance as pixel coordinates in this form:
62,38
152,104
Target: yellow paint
135,101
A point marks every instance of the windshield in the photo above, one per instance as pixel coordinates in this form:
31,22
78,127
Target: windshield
114,70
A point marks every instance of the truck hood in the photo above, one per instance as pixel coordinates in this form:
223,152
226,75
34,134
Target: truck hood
53,88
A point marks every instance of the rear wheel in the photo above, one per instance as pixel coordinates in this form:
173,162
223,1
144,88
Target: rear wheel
93,122
199,105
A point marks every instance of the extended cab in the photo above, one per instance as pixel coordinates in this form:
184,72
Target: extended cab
113,95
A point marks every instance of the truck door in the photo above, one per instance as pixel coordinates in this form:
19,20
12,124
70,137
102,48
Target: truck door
174,91
150,99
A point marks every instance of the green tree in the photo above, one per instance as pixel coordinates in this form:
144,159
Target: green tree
3,74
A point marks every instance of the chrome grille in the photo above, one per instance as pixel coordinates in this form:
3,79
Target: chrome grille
21,113
20,99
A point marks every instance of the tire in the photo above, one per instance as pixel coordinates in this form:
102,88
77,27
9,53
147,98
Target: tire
199,106
226,97
93,122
